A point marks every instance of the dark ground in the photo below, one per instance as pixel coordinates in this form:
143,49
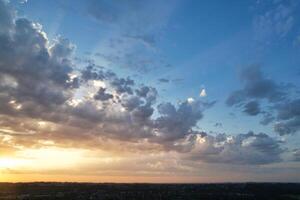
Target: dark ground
107,191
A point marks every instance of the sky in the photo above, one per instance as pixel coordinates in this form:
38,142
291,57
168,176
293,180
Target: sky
150,91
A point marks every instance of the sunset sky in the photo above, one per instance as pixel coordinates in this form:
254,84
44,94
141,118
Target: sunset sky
150,91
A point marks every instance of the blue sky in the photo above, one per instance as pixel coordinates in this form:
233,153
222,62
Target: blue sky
205,44
243,54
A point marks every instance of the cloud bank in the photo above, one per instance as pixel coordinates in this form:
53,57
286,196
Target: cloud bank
46,98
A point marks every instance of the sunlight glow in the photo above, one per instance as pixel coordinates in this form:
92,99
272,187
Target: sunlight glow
11,162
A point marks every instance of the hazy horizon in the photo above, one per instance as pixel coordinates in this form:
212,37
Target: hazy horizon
144,91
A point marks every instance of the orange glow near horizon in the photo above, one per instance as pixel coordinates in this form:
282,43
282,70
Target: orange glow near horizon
97,179
53,164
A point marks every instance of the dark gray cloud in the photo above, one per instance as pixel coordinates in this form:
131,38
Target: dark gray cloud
132,102
277,106
256,86
289,110
123,85
288,117
94,72
143,91
288,126
252,108
149,93
103,95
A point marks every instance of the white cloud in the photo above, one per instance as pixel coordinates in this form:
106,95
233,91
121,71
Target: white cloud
203,93
190,99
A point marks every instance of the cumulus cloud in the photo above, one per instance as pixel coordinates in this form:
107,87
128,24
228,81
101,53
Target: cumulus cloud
38,83
44,96
249,148
123,85
175,123
102,95
33,71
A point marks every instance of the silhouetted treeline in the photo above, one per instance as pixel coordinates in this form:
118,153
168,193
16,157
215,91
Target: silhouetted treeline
108,191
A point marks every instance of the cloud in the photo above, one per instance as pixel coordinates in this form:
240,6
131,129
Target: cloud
94,72
177,123
135,29
39,82
32,70
267,118
289,110
6,18
218,124
275,22
288,126
249,148
102,95
203,93
257,88
134,17
123,85
288,117
163,80
252,108
296,154
45,96
149,93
